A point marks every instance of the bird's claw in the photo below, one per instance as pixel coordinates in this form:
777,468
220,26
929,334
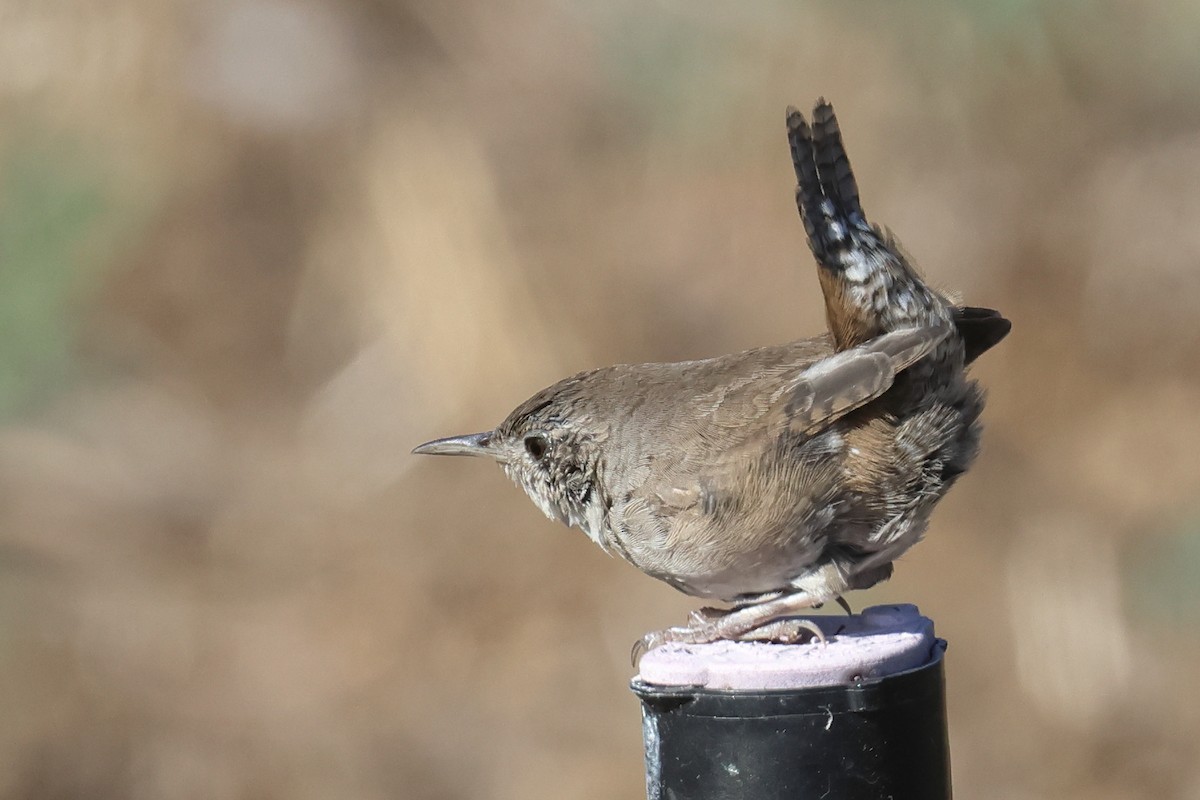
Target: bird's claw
684,634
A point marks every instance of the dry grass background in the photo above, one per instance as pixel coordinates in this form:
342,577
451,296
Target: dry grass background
252,251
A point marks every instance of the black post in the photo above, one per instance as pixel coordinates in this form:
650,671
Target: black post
869,738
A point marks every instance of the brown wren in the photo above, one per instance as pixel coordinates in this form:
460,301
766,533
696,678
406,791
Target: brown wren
782,477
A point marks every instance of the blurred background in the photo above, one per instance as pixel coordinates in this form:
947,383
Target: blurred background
253,251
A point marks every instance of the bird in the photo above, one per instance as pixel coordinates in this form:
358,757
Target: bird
780,478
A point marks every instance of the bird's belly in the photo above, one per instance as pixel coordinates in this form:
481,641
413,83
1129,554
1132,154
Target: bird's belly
756,537
713,572
725,587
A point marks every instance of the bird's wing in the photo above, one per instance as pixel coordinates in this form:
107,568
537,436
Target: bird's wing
838,384
696,477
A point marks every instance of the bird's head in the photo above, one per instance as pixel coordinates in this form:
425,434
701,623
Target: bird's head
550,447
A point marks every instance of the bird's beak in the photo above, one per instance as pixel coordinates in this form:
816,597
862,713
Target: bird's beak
471,444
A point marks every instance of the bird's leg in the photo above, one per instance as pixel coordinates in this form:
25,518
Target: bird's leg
710,614
705,615
739,622
781,631
736,623
841,601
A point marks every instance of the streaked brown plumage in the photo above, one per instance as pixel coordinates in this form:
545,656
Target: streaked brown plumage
782,477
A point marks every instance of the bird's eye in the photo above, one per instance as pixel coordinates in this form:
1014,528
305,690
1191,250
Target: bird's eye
536,445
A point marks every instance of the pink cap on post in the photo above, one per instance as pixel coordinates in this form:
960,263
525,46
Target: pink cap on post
879,641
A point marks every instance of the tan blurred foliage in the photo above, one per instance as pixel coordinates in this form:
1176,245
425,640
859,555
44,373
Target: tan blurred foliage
302,237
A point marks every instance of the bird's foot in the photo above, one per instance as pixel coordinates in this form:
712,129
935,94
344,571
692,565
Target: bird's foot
701,628
785,631
767,621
